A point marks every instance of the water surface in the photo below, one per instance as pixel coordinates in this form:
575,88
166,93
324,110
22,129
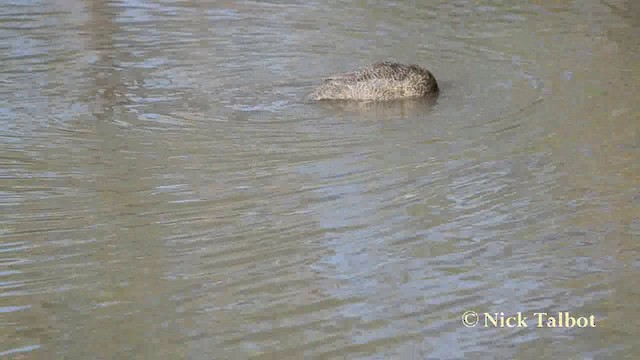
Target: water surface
166,192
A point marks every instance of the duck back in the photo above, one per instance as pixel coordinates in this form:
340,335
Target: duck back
380,81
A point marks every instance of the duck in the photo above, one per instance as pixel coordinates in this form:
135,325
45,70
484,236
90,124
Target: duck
381,81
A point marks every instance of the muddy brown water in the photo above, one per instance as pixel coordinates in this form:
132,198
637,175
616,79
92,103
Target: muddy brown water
166,192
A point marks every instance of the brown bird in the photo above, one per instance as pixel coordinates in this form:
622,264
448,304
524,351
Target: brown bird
380,81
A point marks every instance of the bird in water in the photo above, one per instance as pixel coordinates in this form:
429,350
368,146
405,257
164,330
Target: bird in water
380,81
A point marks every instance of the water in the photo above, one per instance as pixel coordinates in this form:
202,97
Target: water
166,192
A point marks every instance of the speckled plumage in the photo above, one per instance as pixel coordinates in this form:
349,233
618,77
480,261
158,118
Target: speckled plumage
380,81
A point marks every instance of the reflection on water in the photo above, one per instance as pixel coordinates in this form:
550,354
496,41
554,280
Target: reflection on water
167,192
